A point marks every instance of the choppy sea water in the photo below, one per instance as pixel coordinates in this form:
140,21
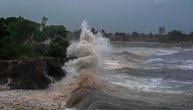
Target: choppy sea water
151,67
145,77
117,76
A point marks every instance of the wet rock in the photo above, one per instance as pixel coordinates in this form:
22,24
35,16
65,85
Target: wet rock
54,70
3,88
29,74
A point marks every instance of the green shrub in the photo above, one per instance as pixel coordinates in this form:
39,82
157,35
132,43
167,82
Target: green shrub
15,32
39,36
58,47
26,50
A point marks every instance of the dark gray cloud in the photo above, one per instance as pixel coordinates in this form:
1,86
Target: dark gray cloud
112,15
160,2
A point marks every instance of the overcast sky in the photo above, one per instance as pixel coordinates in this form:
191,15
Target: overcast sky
111,15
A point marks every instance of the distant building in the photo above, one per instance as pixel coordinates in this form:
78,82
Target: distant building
162,30
43,23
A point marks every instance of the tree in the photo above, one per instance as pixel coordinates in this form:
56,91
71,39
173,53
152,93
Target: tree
191,36
26,50
176,35
39,36
4,40
55,30
135,33
21,30
3,31
17,36
58,47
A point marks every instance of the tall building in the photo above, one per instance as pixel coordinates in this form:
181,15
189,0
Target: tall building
162,30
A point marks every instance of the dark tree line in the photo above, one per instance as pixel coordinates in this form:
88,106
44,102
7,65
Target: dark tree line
174,36
22,38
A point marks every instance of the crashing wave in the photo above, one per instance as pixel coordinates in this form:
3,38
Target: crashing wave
85,88
89,53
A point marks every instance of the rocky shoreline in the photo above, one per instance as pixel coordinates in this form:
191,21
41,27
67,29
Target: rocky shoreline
30,74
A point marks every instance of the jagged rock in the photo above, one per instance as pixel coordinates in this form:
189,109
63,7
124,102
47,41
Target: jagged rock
3,88
54,70
29,74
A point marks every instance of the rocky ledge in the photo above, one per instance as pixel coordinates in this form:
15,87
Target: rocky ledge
30,74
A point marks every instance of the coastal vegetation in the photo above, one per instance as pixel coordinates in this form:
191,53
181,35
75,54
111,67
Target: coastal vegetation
22,38
174,36
31,57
